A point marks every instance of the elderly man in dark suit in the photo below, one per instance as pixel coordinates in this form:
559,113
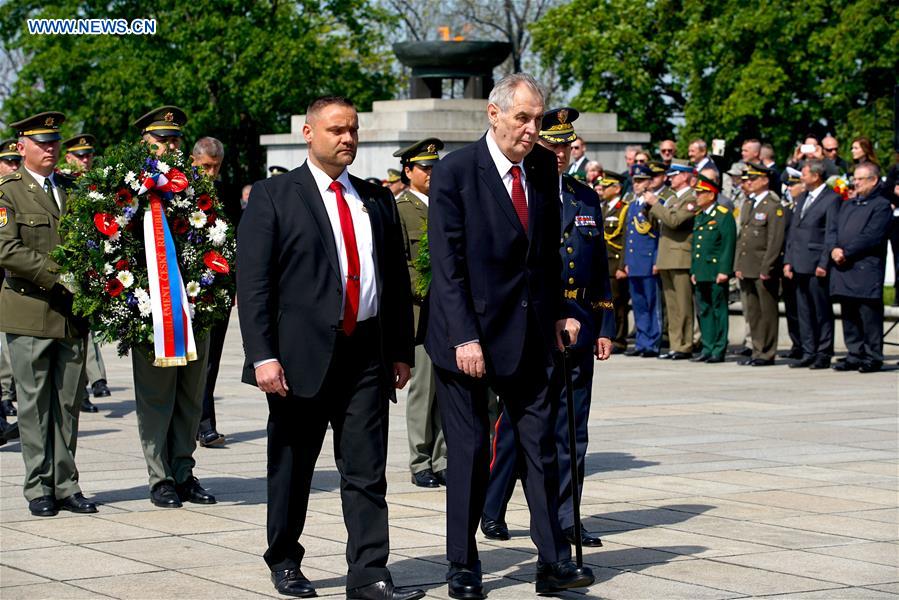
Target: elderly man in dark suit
806,262
496,312
326,319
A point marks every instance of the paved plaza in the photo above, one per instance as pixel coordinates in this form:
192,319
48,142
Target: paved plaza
704,481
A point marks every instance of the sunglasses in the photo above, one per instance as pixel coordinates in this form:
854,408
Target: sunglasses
832,149
666,150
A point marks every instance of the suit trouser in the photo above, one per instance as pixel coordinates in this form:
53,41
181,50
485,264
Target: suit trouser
94,367
463,410
647,313
168,402
862,329
506,464
678,293
621,297
762,313
711,298
7,381
353,399
427,448
791,312
49,376
216,345
815,312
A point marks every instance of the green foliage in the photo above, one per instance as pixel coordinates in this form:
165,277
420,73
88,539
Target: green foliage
734,70
239,68
422,264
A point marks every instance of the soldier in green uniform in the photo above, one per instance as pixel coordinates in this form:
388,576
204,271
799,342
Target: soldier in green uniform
427,448
614,210
46,342
675,211
713,242
10,160
757,263
169,400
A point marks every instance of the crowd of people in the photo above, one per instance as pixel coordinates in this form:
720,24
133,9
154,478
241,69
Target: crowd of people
489,279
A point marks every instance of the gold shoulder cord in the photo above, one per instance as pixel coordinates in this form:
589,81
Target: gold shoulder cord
642,228
622,219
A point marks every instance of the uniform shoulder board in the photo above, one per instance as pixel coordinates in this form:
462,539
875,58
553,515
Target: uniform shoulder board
723,209
404,197
10,177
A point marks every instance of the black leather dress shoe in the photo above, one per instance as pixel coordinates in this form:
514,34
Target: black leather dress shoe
846,365
616,349
425,479
822,362
383,590
715,359
744,352
7,408
870,367
649,354
794,353
666,356
45,506
8,432
761,362
587,538
164,495
440,476
681,355
700,358
561,576
192,491
292,582
210,438
633,352
803,363
87,406
100,390
494,530
464,584
77,503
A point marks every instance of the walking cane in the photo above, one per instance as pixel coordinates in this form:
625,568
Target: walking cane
572,450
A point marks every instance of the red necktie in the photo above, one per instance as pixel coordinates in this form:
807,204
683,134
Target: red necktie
351,306
519,201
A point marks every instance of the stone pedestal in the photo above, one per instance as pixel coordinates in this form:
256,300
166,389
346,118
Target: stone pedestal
393,124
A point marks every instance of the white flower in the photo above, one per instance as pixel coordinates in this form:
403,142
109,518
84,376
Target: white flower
162,167
106,170
143,302
108,247
130,177
217,234
122,220
193,289
126,278
108,268
198,219
95,195
189,192
116,236
193,309
135,185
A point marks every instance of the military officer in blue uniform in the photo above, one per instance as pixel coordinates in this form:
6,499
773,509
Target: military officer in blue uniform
588,298
641,248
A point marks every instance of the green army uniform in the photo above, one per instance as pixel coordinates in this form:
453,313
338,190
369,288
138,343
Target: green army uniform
759,252
614,219
8,152
714,238
427,446
45,341
169,400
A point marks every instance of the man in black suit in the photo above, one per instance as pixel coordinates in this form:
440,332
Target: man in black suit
496,312
806,262
326,319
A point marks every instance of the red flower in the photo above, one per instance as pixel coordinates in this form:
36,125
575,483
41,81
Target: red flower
179,226
122,265
210,218
105,224
92,187
93,274
123,197
206,298
114,287
216,262
204,202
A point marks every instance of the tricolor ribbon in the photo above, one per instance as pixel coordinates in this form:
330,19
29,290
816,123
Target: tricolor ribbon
173,336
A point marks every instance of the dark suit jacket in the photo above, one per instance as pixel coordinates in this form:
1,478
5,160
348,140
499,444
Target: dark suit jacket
805,247
860,229
289,286
490,279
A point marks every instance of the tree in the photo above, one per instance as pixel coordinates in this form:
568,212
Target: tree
239,68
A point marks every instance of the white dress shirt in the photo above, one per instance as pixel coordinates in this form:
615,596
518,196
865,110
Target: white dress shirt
504,165
40,182
574,166
812,196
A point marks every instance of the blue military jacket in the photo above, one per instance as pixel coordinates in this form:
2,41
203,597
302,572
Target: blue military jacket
860,229
641,243
587,290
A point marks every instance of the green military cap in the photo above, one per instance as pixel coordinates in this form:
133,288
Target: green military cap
612,178
42,127
81,144
657,167
557,128
165,121
756,170
276,170
422,153
9,150
393,175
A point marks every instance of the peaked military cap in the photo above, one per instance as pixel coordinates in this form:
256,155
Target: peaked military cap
9,150
657,168
704,184
42,127
165,121
81,144
641,171
679,166
756,170
422,153
791,176
611,178
393,176
276,170
557,125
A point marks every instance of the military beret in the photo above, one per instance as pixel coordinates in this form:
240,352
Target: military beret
704,184
557,125
165,121
276,170
641,171
81,144
679,166
9,150
422,153
611,178
42,127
